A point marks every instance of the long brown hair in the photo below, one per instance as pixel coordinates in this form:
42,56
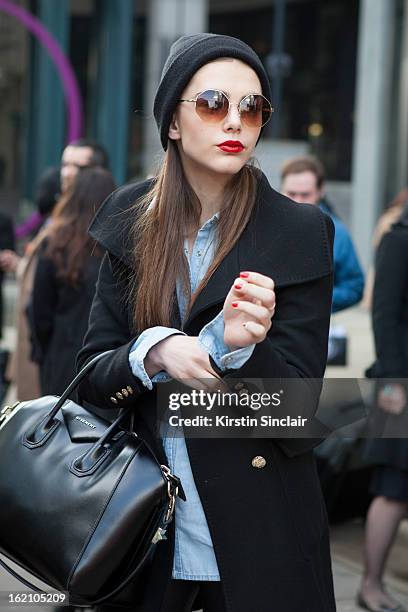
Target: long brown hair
159,231
68,244
400,199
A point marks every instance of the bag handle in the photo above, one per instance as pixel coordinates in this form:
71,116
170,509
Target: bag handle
75,382
48,424
45,428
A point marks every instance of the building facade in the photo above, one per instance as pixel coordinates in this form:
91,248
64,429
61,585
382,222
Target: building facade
338,69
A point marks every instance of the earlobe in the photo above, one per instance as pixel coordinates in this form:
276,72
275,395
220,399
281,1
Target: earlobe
174,132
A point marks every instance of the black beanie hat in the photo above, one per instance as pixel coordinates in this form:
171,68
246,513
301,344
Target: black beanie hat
187,55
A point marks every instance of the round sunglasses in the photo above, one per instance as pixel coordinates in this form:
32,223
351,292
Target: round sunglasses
212,106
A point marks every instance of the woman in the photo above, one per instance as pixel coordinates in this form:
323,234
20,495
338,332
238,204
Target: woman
187,291
390,479
64,281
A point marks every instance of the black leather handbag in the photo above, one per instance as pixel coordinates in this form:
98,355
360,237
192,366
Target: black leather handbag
83,502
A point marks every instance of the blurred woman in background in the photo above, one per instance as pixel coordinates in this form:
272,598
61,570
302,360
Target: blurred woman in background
389,450
65,278
384,224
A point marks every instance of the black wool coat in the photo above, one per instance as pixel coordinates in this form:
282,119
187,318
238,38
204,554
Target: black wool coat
58,319
268,525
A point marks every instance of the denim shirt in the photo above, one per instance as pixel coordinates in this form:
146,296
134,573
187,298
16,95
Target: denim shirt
194,557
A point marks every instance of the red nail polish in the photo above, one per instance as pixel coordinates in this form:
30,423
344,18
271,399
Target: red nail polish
244,274
238,286
234,304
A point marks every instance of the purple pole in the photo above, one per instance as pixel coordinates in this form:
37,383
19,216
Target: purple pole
69,82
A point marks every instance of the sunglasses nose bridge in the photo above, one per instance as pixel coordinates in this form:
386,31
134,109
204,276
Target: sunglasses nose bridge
233,113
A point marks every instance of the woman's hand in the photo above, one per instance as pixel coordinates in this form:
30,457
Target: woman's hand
392,398
183,359
9,260
248,310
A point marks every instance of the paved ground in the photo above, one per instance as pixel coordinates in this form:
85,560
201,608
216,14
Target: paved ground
346,539
346,582
347,546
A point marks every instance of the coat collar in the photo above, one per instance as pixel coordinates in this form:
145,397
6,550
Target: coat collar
290,242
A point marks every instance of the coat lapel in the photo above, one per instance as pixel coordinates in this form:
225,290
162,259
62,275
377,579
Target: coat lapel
218,286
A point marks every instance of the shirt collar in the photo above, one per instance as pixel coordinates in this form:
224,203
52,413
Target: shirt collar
212,220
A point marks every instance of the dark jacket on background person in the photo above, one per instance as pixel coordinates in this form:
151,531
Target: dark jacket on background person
269,526
390,326
6,242
58,317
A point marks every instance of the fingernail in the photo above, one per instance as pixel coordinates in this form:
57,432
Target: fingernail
238,286
234,304
244,274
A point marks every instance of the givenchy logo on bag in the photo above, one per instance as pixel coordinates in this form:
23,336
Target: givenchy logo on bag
78,418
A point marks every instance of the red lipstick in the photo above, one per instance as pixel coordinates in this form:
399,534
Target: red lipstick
231,146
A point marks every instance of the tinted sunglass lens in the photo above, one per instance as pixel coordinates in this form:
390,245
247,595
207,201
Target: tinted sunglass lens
255,110
212,105
267,111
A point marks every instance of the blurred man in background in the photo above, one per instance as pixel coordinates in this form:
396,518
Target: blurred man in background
82,153
302,180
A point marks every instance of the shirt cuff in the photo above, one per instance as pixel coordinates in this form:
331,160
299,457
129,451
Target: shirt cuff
142,345
211,338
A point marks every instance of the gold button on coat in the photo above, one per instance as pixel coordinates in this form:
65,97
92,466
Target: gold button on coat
258,462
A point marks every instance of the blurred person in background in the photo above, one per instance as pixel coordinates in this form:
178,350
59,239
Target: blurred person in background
65,278
6,243
82,153
389,484
47,193
22,371
391,215
303,180
79,154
